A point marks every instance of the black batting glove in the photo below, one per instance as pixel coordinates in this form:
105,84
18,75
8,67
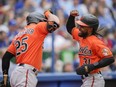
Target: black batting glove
5,82
2,84
85,69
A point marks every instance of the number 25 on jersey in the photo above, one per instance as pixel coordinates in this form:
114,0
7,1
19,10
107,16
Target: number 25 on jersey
21,46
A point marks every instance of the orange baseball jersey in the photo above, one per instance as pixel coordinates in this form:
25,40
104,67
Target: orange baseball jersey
27,44
92,49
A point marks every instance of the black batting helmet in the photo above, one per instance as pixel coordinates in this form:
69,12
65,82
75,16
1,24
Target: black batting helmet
89,20
35,17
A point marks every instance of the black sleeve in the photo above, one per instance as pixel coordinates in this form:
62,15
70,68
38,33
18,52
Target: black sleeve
70,23
6,62
104,62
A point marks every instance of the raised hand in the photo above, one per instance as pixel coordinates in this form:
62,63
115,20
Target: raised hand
74,13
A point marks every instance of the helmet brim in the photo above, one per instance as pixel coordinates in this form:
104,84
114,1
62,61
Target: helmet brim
81,23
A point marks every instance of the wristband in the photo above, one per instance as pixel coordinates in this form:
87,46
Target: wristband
86,68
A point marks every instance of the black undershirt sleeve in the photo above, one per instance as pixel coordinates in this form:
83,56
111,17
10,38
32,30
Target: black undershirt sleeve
104,62
6,62
70,23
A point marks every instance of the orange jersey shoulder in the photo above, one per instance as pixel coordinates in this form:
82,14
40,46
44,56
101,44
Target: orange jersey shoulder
101,49
74,33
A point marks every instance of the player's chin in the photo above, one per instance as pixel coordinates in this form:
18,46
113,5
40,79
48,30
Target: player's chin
80,34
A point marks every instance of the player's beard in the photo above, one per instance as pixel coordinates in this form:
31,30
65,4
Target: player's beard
83,34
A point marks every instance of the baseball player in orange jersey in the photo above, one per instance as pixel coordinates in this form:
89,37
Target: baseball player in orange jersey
93,53
27,48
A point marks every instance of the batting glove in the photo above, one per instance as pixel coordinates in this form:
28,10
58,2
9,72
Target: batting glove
85,69
5,82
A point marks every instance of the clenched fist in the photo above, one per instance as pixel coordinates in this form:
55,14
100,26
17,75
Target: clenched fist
85,69
74,13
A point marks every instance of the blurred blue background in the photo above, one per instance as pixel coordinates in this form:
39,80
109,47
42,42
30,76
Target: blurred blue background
60,50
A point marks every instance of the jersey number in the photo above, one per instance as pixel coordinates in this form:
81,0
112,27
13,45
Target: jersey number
86,61
21,46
